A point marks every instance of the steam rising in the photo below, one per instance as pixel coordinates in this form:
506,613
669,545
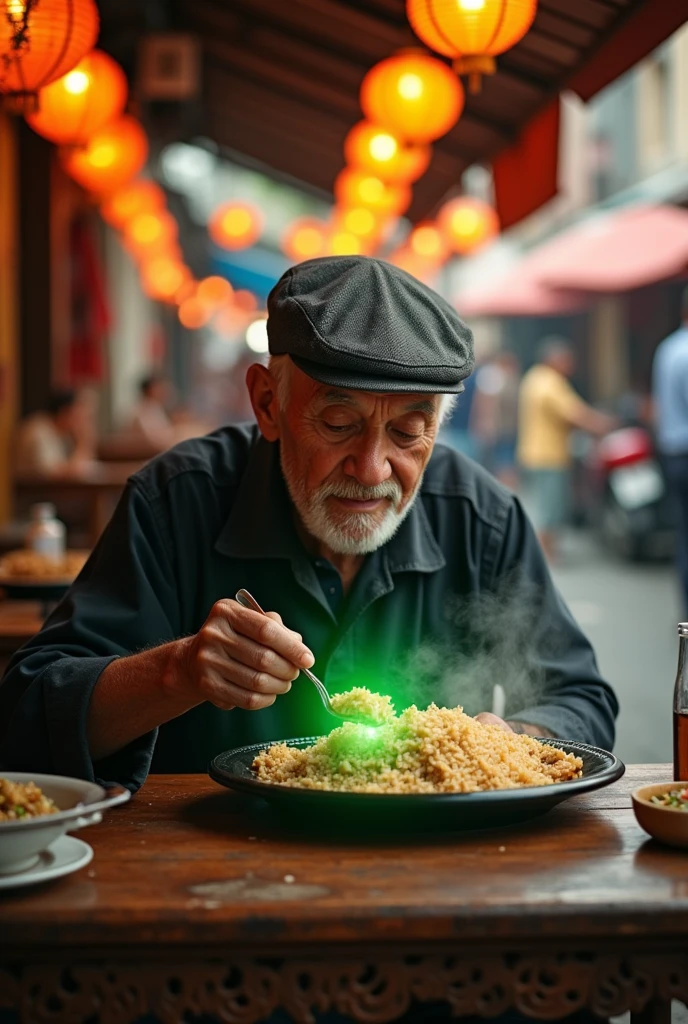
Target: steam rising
494,638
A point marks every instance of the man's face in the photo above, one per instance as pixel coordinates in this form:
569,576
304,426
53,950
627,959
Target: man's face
353,460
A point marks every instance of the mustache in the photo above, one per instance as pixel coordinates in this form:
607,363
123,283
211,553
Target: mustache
358,492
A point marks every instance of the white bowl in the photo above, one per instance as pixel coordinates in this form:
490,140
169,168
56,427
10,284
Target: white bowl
81,803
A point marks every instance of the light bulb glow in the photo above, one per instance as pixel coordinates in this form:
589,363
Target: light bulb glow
371,190
359,222
76,82
103,155
257,335
236,222
410,86
471,5
465,222
383,147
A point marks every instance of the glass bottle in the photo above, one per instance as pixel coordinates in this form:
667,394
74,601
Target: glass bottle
681,707
46,534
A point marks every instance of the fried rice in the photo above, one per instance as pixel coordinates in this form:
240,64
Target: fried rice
20,801
440,750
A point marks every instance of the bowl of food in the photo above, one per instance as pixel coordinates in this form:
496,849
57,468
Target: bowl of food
662,811
432,767
30,575
35,810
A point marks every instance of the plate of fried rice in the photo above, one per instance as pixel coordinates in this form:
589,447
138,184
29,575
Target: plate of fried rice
437,762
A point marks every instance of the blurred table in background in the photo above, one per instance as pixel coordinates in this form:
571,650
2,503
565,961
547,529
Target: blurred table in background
98,488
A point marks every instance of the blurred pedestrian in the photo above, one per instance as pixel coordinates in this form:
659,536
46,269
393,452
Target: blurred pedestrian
150,419
670,394
549,410
59,441
494,416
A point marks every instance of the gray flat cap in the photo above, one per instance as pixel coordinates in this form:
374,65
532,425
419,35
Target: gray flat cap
357,322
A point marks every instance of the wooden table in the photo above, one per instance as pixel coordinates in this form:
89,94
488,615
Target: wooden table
197,903
100,486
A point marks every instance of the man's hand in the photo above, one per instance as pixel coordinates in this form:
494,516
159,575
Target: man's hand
487,718
238,659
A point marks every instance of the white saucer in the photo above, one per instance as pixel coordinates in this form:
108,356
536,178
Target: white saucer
65,855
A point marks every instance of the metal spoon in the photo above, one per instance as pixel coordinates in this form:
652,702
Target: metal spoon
249,601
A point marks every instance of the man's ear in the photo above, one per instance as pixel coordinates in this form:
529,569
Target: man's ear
262,389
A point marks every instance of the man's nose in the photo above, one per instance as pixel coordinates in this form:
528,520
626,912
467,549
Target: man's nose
368,463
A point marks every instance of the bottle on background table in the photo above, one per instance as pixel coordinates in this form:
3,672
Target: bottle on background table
46,534
681,707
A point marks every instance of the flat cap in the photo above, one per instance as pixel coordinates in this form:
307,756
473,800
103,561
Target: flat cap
362,323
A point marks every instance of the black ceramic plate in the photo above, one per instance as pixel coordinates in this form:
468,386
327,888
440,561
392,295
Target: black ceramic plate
456,811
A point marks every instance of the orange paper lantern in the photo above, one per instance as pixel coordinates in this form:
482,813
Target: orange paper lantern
424,270
245,300
193,314
467,223
359,188
427,242
214,291
140,196
305,239
359,220
378,150
148,233
235,225
112,157
414,95
40,42
82,101
163,277
471,31
345,243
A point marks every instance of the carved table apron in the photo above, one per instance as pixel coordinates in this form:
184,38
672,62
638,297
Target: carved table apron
197,903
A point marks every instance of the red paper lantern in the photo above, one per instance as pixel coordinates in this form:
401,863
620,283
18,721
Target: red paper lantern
82,101
140,196
41,40
359,188
112,157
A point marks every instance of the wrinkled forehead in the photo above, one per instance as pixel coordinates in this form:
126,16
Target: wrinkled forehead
394,403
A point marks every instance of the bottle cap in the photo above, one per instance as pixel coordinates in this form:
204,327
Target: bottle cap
43,510
683,629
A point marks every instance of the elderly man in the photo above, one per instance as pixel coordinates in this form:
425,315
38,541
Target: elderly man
385,560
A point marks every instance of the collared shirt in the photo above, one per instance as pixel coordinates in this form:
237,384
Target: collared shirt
546,405
459,599
670,388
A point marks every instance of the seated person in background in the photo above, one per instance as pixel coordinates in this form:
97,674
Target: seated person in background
59,442
151,420
407,567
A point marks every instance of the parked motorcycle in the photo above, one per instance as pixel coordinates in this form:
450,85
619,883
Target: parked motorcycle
628,499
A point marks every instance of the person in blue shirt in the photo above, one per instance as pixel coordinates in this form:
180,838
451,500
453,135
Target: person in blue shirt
670,393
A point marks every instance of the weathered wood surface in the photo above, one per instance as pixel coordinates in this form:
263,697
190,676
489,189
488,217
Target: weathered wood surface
187,864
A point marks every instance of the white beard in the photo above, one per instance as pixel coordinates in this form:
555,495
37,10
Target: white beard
351,533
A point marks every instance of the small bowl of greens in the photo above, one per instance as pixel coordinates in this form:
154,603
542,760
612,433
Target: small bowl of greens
662,810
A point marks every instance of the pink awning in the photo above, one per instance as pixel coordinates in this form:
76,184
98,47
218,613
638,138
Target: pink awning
616,251
515,294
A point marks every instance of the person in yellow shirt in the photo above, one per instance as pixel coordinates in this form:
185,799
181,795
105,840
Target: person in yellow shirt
549,410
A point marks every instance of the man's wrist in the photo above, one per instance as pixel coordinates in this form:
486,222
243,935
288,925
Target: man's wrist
175,674
526,729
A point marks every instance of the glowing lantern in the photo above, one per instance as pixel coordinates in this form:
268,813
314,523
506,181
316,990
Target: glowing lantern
359,220
467,223
428,243
82,101
187,289
40,42
471,31
193,314
148,233
235,225
345,243
245,300
112,157
305,239
371,148
140,196
414,265
163,277
413,94
214,291
358,188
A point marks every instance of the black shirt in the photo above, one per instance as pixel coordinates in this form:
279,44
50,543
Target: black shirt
459,599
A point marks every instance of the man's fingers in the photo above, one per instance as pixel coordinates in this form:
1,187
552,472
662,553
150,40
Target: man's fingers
227,695
487,718
265,631
240,650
